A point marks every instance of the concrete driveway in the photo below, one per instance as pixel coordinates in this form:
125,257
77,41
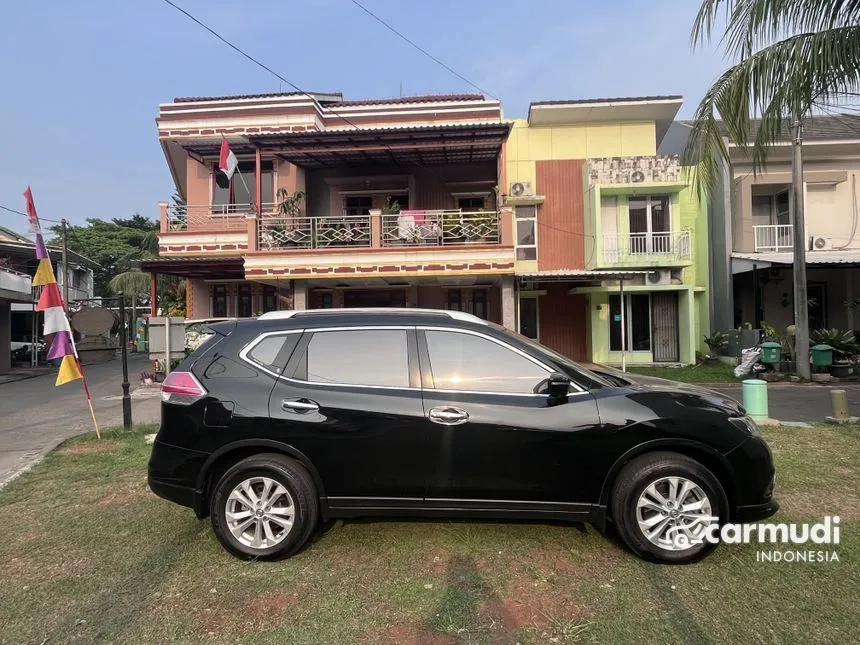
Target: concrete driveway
35,416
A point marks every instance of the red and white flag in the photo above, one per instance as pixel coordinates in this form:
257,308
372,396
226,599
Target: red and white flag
228,162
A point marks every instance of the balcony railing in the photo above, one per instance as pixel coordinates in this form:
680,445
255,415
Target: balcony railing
223,217
440,228
774,238
15,282
331,231
647,247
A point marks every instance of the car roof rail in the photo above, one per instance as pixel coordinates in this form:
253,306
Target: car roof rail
301,313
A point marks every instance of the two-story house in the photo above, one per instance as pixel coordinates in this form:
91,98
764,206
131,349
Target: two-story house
611,242
398,204
753,254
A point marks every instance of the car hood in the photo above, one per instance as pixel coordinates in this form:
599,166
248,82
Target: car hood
657,384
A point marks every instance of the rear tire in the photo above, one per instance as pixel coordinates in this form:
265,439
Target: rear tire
264,507
661,498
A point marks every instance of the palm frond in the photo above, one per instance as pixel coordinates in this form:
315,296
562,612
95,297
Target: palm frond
130,282
789,77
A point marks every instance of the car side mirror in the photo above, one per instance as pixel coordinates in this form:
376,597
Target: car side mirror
558,386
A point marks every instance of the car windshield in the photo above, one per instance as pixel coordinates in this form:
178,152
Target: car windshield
572,368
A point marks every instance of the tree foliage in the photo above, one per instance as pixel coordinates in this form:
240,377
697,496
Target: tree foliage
791,57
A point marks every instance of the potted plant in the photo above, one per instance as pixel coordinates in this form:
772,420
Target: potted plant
717,343
845,348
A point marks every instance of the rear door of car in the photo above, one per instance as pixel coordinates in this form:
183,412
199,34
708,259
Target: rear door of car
350,400
497,441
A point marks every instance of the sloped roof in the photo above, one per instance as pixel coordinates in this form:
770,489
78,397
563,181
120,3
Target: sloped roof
335,99
263,95
614,99
837,127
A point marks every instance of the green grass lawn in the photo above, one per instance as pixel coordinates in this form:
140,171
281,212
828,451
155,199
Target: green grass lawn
704,373
89,555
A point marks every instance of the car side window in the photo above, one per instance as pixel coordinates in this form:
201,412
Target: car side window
357,357
462,361
273,352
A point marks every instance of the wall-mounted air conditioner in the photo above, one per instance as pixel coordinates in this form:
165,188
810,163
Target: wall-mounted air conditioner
521,189
659,277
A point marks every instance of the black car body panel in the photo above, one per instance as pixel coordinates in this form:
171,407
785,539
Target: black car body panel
375,450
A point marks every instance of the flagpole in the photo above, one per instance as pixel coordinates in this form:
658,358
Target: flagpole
84,385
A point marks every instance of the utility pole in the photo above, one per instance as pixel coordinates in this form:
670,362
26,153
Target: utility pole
123,343
65,231
801,306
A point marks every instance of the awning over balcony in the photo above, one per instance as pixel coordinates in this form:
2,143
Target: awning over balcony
391,145
577,275
229,268
743,262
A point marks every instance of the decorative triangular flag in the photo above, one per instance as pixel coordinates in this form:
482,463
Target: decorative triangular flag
55,320
69,370
50,297
44,274
61,346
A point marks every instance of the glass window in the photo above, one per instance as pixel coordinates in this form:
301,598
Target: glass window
266,351
470,203
479,303
529,317
270,298
236,192
466,362
637,322
243,306
526,232
359,357
358,205
454,300
219,301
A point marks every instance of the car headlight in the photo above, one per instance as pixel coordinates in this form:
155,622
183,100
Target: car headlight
747,425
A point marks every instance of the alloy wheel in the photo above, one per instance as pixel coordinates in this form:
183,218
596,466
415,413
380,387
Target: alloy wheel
674,513
260,512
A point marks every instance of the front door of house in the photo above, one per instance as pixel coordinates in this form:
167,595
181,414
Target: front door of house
664,326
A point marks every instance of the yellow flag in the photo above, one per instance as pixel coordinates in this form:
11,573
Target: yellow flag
44,274
68,370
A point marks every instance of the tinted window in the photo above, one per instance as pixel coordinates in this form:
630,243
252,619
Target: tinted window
267,351
359,357
466,362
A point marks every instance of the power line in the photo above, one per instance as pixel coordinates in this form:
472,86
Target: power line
421,49
16,212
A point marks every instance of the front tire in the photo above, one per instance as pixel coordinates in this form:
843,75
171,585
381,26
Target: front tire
662,504
264,507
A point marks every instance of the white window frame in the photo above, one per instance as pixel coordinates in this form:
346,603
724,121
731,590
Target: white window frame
518,219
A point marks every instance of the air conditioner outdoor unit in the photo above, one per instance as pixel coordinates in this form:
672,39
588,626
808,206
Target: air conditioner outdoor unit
820,243
521,189
661,276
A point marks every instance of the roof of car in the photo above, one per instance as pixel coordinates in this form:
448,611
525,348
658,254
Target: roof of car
408,315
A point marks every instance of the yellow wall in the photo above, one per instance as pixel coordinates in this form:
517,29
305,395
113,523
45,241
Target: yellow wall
580,141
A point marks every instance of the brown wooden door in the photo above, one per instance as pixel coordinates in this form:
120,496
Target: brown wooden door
664,326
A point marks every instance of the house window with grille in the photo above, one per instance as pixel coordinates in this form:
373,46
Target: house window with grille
454,300
244,308
526,243
358,205
270,298
479,303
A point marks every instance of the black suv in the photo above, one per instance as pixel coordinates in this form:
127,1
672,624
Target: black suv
275,422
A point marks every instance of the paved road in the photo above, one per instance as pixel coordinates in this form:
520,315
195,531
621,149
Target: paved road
35,416
795,402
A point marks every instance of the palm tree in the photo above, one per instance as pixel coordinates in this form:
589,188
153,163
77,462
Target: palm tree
134,282
791,57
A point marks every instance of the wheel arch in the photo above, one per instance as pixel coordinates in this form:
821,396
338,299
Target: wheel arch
705,455
222,459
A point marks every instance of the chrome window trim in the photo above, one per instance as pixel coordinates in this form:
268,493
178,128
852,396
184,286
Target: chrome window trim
243,353
501,343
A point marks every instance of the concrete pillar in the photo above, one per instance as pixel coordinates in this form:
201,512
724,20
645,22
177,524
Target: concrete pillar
509,305
300,295
5,337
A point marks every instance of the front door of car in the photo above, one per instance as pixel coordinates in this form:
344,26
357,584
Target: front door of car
350,401
495,436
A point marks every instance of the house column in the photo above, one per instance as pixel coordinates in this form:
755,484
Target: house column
5,337
509,305
300,295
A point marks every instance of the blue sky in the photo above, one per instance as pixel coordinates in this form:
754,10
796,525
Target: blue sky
82,80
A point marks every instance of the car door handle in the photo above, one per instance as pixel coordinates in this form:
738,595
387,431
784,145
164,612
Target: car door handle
302,405
448,416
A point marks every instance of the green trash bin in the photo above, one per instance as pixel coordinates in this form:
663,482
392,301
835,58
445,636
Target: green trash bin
822,355
771,352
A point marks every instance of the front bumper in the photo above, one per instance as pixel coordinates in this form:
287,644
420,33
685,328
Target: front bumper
756,512
752,464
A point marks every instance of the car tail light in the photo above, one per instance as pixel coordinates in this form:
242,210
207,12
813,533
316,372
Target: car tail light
181,388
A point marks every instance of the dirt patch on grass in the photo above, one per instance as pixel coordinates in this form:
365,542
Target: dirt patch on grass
90,447
125,495
26,571
410,635
268,607
816,505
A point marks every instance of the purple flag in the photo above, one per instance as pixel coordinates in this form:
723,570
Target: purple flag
62,346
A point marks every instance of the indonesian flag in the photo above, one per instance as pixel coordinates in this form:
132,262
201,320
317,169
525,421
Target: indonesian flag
228,162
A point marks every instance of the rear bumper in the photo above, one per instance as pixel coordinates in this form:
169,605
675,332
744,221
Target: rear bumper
173,474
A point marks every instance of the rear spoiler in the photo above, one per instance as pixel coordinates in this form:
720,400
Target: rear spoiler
224,328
